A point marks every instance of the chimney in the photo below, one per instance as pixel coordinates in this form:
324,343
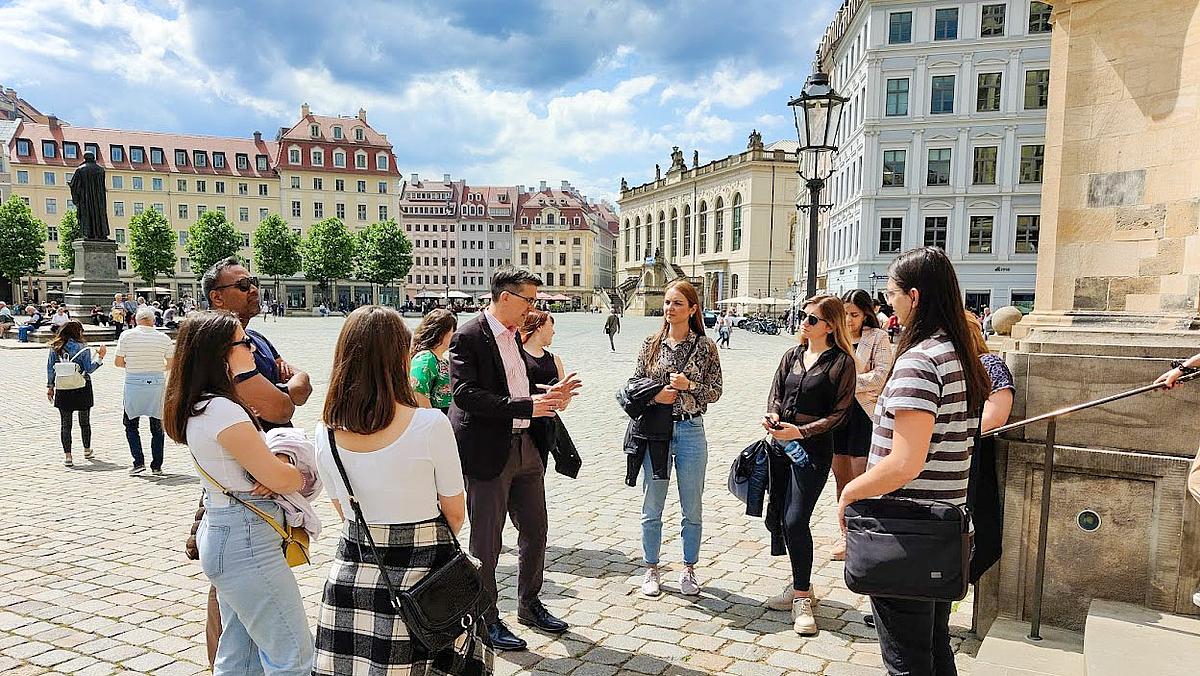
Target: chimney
304,110
446,179
415,179
542,187
362,115
258,137
566,185
520,190
53,119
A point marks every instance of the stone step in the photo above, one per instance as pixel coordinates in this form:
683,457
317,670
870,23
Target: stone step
1008,651
1122,639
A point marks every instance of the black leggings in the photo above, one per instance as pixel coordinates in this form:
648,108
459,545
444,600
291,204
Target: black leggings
801,486
85,427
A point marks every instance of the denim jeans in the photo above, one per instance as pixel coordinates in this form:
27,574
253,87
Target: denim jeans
689,455
264,629
135,441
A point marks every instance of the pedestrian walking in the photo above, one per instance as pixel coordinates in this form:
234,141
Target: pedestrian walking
401,462
612,326
146,355
493,406
130,307
265,628
69,371
725,328
430,372
925,425
680,356
811,398
873,354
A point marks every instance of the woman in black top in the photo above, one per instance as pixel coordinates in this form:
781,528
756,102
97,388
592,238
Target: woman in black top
545,368
811,396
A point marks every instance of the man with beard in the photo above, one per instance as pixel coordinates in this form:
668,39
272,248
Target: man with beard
273,390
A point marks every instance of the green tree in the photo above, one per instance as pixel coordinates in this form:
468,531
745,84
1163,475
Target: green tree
329,252
210,239
22,241
151,246
68,232
384,254
276,250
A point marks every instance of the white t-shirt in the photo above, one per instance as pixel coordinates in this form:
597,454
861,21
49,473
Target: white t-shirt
59,318
144,348
401,482
202,430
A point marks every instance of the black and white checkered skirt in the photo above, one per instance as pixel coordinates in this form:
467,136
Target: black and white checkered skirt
358,631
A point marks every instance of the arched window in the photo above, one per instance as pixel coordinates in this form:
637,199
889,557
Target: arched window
318,157
687,230
733,285
718,225
360,160
674,233
662,233
702,224
626,240
381,161
737,222
637,238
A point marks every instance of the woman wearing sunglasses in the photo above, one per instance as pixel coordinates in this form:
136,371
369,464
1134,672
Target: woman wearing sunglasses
811,396
264,626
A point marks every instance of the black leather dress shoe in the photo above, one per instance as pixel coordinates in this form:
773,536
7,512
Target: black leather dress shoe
501,638
537,616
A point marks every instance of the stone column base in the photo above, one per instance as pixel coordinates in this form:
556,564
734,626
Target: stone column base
95,279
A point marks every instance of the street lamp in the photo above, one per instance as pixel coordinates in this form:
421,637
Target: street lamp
818,112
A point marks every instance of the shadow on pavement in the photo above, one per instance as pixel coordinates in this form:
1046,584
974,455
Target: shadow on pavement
95,466
580,648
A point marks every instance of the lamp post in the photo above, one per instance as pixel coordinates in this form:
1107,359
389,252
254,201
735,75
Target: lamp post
818,113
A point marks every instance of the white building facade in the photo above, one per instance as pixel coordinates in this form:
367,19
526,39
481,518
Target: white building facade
941,143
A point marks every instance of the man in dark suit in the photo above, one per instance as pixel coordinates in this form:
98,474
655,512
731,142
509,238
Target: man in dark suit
491,412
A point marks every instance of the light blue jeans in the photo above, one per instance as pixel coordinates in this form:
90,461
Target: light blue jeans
264,630
689,455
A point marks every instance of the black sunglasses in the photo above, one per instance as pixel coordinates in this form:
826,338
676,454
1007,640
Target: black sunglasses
242,284
811,319
244,341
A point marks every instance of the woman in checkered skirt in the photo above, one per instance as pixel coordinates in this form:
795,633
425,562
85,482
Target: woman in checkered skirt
402,462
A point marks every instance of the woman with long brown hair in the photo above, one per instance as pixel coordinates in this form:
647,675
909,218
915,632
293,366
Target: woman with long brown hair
402,466
68,345
262,614
681,357
811,397
430,372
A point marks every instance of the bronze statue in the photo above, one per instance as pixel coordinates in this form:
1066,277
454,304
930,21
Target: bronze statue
657,172
90,198
677,162
624,185
755,141
695,158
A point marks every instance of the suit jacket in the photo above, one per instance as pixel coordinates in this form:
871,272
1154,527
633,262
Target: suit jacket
482,410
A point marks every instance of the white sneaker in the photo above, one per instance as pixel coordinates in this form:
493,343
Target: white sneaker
803,621
688,585
1196,598
783,600
651,585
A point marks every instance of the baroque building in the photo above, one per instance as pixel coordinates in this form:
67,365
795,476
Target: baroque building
565,239
942,142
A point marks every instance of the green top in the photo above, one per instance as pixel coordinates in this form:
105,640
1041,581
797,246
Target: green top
431,377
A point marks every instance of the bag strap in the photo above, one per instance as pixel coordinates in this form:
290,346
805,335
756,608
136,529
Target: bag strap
265,517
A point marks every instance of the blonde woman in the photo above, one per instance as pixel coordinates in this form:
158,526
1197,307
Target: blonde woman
811,397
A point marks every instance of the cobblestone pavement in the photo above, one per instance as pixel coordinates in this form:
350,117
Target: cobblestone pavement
93,580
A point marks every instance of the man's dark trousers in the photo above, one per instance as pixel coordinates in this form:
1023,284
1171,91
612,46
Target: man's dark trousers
612,344
520,492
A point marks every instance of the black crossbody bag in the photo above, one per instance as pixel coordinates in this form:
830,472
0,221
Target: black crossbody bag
442,605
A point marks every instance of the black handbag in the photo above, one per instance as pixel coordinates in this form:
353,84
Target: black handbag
908,549
446,602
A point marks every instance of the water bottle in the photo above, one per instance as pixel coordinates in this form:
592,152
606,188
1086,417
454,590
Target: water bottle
796,452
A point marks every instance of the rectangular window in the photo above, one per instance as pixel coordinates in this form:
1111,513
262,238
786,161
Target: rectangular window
185,264
183,211
981,234
945,24
262,213
54,261
983,170
138,207
182,237
890,234
22,176
160,207
244,214
318,184
295,208
49,149
219,186
893,167
992,24
24,148
243,161
48,178
71,151
181,158
1037,89
245,239
1027,233
118,182
897,97
362,212
295,183
243,188
381,162
318,157
935,231
122,263
201,186
137,182
181,185
383,187
199,158
137,155
1033,157
339,185
939,167
362,186
941,95
156,156
51,233
383,215
156,184
341,211
119,235
899,28
260,161
1039,17
360,161
987,94
118,208
218,160
262,189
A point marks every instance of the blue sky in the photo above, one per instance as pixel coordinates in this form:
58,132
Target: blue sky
497,92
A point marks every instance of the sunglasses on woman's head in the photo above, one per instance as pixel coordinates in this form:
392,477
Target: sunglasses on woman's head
811,319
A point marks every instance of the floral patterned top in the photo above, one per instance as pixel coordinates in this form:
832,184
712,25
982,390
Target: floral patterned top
431,377
703,369
998,373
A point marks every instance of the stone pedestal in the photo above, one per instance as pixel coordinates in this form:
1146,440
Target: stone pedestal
95,279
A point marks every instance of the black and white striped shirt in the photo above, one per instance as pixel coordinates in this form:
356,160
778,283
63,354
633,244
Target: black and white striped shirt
929,377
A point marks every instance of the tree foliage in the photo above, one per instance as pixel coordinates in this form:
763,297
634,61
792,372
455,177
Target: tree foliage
151,246
68,232
22,239
329,252
210,239
384,253
276,249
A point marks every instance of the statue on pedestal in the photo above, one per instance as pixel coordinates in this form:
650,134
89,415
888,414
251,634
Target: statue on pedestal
755,141
695,158
677,162
657,172
90,197
624,185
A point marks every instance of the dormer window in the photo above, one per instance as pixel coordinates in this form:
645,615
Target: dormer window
116,153
294,156
92,148
314,130
381,161
70,151
137,154
360,160
337,132
260,161
359,134
243,161
339,159
156,156
318,157
218,160
24,147
181,158
199,158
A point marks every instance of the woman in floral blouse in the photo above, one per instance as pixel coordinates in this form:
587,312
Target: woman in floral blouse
430,372
682,357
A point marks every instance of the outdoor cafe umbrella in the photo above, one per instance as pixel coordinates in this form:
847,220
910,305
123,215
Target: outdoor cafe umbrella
738,300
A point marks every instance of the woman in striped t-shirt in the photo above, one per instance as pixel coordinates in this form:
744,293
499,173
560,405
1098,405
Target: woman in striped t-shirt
925,425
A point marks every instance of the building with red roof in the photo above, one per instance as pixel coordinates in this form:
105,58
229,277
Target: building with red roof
562,237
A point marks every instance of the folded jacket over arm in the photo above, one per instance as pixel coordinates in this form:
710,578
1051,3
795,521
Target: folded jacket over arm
649,429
